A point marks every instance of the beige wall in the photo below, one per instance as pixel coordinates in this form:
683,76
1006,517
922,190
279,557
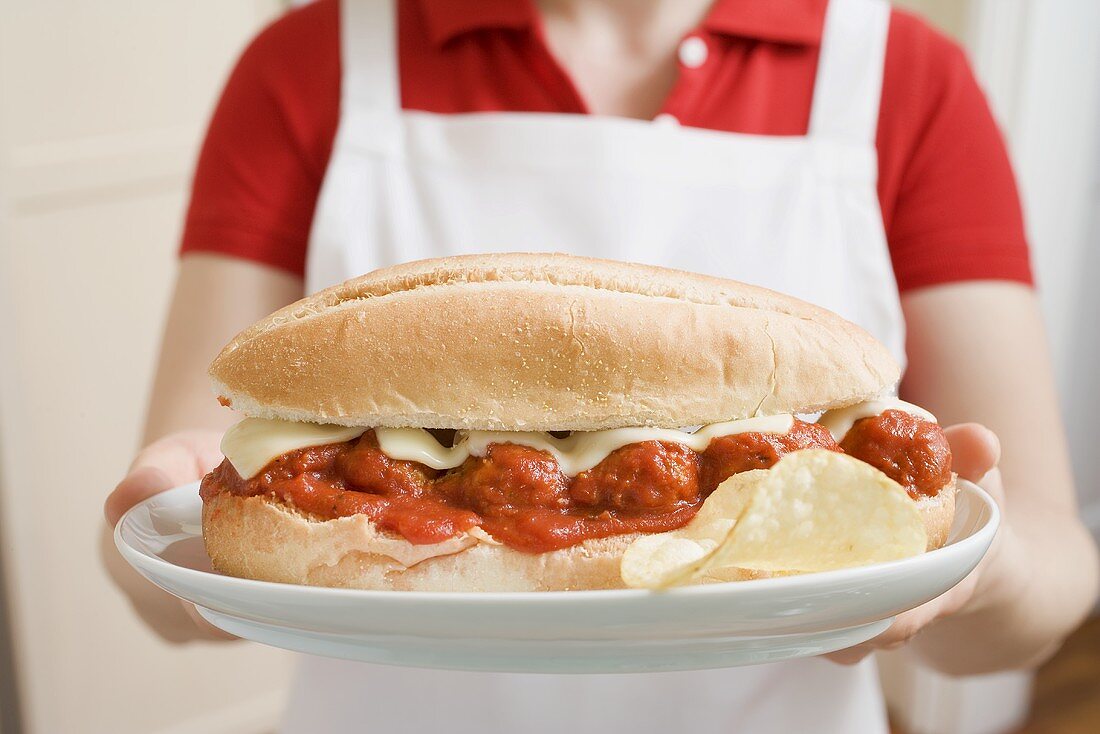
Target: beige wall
102,106
949,15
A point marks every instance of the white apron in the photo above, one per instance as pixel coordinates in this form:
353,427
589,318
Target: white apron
797,214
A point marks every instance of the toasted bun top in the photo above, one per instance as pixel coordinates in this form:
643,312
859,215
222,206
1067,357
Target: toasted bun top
546,342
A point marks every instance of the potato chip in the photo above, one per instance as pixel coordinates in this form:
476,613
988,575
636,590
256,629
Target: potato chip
819,511
658,560
813,511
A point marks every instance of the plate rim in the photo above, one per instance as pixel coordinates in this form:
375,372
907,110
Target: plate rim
146,563
608,658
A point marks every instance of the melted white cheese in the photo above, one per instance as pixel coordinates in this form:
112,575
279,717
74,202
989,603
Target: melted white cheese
576,453
251,444
841,420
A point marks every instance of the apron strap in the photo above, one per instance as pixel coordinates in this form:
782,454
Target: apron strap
849,71
368,47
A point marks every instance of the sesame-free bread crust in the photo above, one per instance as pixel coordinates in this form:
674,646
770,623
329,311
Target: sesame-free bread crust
546,342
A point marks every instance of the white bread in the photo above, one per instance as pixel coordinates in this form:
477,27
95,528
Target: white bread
546,342
260,538
519,342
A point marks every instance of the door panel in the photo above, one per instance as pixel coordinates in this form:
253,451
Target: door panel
103,108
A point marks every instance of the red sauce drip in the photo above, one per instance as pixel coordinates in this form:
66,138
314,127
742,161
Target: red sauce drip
520,496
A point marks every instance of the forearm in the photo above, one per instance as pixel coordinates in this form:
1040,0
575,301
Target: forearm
1039,582
978,353
215,298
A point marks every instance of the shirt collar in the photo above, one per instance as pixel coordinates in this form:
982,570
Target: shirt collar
781,21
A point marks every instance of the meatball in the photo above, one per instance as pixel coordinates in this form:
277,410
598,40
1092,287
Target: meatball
364,467
912,452
507,480
729,455
642,477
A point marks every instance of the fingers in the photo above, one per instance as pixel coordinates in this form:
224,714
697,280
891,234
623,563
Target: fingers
888,640
904,628
850,655
168,617
975,450
168,462
206,630
139,484
907,625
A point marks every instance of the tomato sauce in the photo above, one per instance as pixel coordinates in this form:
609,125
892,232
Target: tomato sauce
729,455
912,452
520,496
352,478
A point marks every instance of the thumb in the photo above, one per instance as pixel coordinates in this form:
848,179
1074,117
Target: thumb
975,450
139,484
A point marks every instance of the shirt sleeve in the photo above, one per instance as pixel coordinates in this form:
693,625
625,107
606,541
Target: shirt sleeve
949,197
267,146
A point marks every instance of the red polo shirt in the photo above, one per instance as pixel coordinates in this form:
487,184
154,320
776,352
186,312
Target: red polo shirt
948,197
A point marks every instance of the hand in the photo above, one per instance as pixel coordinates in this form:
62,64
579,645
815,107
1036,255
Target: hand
975,452
176,459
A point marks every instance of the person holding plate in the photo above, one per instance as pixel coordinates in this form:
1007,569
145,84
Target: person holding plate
840,151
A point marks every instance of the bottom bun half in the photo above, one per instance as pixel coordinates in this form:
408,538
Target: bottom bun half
265,539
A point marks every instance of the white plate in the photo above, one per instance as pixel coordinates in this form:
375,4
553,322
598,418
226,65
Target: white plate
718,625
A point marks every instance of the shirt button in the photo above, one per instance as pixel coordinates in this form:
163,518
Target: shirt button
693,52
